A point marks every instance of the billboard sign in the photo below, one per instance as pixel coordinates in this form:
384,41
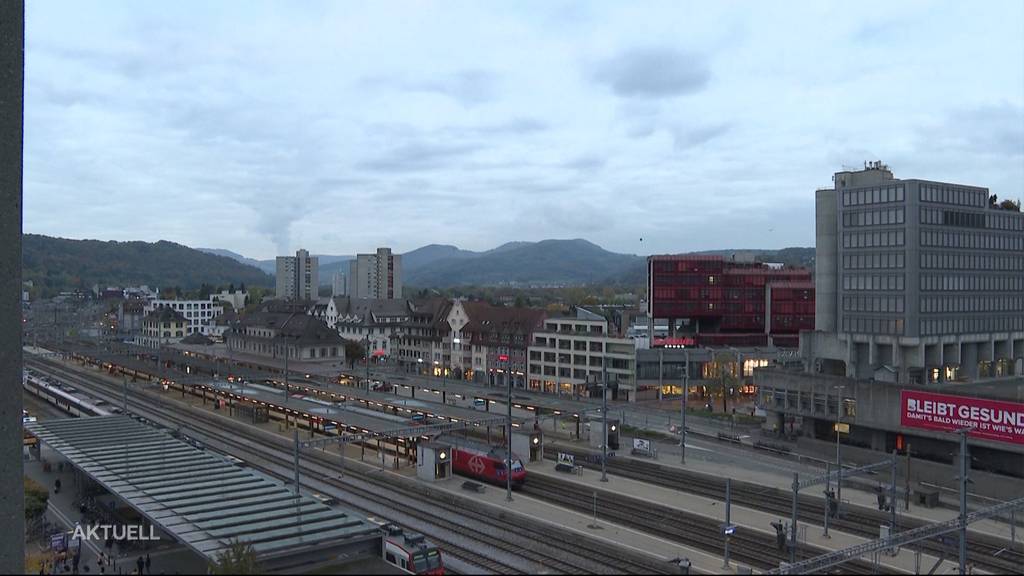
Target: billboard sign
989,419
641,445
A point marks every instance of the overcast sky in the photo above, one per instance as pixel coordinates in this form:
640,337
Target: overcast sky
343,126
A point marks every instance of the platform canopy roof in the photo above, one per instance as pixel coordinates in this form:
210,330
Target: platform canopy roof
200,498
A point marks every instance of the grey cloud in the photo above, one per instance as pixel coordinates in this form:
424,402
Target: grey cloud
878,31
653,73
997,129
586,163
521,126
684,138
417,156
470,87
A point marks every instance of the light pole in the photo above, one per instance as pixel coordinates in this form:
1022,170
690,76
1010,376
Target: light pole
436,365
508,470
286,377
839,462
739,378
604,418
456,342
682,409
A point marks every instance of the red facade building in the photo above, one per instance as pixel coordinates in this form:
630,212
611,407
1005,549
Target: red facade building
714,302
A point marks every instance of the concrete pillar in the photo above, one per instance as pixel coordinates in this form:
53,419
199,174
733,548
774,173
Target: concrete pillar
826,253
878,440
12,97
851,358
969,359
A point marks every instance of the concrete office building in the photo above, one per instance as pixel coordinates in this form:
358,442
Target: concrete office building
339,285
377,276
298,277
923,278
919,288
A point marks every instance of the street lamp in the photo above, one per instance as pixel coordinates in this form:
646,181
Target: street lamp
682,408
444,374
839,462
507,359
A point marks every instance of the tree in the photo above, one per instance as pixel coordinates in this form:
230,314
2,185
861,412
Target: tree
238,558
354,351
1010,205
726,369
35,499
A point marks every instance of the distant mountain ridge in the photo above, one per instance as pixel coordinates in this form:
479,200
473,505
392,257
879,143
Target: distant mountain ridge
570,262
543,263
57,264
329,263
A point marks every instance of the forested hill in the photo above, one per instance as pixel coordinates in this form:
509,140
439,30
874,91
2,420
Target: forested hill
56,264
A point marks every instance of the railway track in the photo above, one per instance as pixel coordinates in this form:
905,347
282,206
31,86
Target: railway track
543,544
271,467
985,552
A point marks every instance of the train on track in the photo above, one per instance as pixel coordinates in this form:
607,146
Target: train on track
482,461
65,397
410,552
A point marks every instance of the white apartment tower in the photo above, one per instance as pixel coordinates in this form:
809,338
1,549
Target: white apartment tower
298,277
376,275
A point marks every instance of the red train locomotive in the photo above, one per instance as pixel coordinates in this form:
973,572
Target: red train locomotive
483,462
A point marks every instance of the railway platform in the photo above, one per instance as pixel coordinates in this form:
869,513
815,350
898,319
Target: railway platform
701,562
744,518
700,457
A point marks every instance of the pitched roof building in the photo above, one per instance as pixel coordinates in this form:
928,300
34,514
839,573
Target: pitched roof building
275,331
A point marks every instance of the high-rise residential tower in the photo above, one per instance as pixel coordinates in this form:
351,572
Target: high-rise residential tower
298,277
376,275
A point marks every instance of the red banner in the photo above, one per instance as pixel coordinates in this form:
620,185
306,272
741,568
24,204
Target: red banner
989,419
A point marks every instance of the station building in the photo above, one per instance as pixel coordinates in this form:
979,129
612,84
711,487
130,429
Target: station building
919,290
281,329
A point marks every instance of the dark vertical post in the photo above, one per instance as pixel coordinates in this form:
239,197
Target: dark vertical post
892,496
828,495
728,506
661,371
12,98
296,460
508,438
839,460
907,480
796,495
964,466
604,419
682,408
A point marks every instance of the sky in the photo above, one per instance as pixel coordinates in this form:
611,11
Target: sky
644,127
